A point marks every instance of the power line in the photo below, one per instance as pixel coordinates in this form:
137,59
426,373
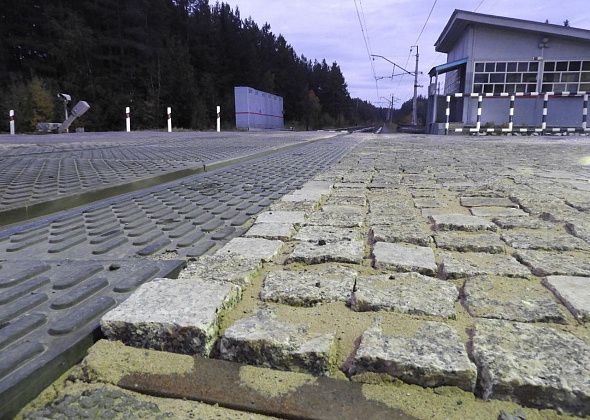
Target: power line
479,5
425,23
367,45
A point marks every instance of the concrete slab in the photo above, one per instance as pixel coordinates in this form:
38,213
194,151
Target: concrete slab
574,292
433,356
534,366
179,316
409,293
399,257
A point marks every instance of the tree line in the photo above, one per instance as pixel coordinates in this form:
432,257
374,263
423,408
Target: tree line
151,54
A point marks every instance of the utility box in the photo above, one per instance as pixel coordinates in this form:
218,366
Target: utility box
258,110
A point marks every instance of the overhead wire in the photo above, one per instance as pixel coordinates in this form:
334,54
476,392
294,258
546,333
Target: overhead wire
367,44
479,5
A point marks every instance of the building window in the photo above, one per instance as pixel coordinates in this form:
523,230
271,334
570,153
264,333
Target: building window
521,76
505,77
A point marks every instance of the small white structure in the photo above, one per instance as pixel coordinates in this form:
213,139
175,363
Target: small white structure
257,109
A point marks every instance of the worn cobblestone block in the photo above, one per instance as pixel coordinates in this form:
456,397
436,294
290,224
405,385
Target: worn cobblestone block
487,202
510,299
458,265
179,316
404,258
425,202
409,293
497,211
515,222
544,240
534,366
547,263
574,292
410,232
222,268
330,283
328,234
470,242
280,231
304,206
263,340
434,356
263,249
321,252
341,216
281,216
461,222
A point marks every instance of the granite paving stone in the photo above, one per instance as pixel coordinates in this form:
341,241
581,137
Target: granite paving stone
229,268
264,340
433,356
180,316
400,257
280,231
466,264
461,222
309,287
487,202
497,211
544,240
470,242
535,366
410,293
580,229
515,222
548,263
574,292
328,234
263,249
425,202
512,299
321,252
279,216
341,216
411,232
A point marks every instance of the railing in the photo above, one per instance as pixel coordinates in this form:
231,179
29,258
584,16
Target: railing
543,129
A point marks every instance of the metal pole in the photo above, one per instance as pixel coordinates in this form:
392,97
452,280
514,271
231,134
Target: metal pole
169,112
415,101
218,119
391,109
11,115
128,119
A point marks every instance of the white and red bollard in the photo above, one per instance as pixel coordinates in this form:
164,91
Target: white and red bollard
218,119
12,128
128,119
169,113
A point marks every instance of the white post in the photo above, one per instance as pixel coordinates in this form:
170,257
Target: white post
169,111
11,115
218,119
128,119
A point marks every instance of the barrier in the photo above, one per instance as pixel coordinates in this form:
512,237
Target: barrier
513,96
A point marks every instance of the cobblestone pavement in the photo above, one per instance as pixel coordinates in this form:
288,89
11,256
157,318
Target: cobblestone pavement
445,263
58,275
63,165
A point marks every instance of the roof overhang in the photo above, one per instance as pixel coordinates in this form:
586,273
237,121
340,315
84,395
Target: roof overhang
447,67
461,19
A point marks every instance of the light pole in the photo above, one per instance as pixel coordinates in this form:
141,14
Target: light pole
416,86
390,102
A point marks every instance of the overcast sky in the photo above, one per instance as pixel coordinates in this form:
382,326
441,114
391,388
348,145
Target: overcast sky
330,29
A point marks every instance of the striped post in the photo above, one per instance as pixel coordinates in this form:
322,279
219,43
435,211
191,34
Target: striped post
169,114
479,105
447,114
11,116
511,114
128,119
218,119
585,113
544,120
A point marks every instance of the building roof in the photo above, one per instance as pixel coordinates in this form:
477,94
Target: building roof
460,19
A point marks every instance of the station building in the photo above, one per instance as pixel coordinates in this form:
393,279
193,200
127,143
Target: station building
496,57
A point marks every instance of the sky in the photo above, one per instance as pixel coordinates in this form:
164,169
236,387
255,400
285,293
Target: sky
330,29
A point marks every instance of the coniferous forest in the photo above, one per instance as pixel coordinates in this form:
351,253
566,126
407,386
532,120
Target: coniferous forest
151,54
